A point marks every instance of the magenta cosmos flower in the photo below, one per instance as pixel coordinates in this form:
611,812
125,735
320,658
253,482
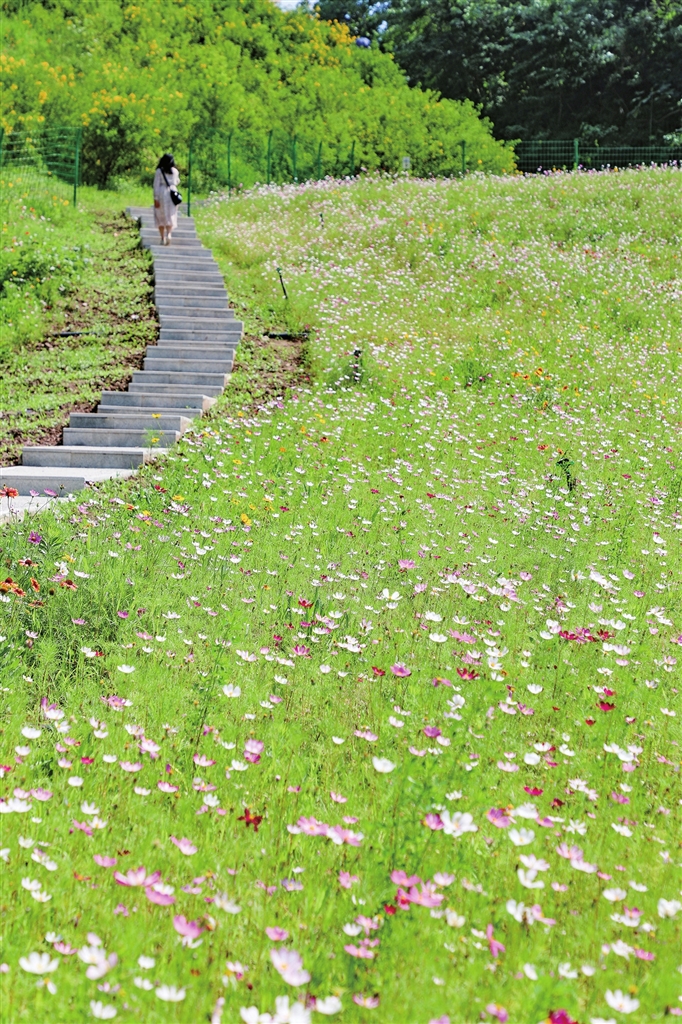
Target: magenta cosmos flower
400,669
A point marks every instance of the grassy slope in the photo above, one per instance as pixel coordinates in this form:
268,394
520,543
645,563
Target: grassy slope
79,270
495,320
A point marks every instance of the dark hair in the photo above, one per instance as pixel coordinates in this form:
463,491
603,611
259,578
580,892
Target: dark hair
166,163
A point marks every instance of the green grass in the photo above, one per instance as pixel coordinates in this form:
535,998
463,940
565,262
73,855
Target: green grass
76,305
488,495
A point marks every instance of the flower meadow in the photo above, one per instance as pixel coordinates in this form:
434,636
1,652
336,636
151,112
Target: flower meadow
364,702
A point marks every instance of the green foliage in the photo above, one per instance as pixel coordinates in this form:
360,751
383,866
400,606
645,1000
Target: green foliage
75,304
144,79
553,68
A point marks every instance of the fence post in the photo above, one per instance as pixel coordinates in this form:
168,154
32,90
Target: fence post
293,156
464,156
269,156
76,167
352,160
319,161
576,154
189,179
229,163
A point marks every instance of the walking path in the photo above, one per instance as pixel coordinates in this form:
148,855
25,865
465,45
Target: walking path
181,378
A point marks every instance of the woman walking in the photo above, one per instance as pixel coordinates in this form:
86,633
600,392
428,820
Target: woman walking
166,181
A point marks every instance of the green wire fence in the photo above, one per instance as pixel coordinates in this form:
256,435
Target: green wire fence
49,160
46,161
571,154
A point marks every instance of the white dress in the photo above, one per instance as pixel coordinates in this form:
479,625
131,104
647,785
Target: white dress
165,214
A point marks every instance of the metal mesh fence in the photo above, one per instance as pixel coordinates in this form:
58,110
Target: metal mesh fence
570,154
46,161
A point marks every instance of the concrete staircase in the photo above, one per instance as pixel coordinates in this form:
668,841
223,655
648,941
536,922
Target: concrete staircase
181,378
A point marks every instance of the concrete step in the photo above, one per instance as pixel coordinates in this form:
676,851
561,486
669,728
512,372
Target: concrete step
83,456
191,349
119,438
204,391
185,278
191,305
209,310
209,379
175,399
207,322
194,365
60,480
227,335
161,409
133,420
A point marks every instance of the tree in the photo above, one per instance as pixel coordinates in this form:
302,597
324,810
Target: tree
598,69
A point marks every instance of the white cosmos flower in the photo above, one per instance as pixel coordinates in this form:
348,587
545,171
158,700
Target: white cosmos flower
529,860
620,1001
668,908
383,765
438,638
143,983
528,811
588,970
614,895
530,971
535,688
521,836
30,733
41,897
527,878
102,1011
146,962
432,617
566,971
531,759
38,963
458,823
622,830
230,690
328,1006
126,669
170,994
32,884
454,919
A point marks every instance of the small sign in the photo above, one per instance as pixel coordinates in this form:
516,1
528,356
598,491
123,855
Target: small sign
406,163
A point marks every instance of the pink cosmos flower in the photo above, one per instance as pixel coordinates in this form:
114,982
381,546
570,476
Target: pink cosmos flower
337,798
301,651
340,835
121,908
131,766
312,827
495,947
346,880
82,826
137,876
65,948
428,897
365,734
188,929
104,862
642,954
400,669
203,761
432,732
369,1002
166,787
157,895
361,952
117,703
41,794
405,563
433,821
498,817
401,878
277,934
184,845
495,1010
569,852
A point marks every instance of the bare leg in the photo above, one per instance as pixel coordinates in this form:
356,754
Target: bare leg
161,232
